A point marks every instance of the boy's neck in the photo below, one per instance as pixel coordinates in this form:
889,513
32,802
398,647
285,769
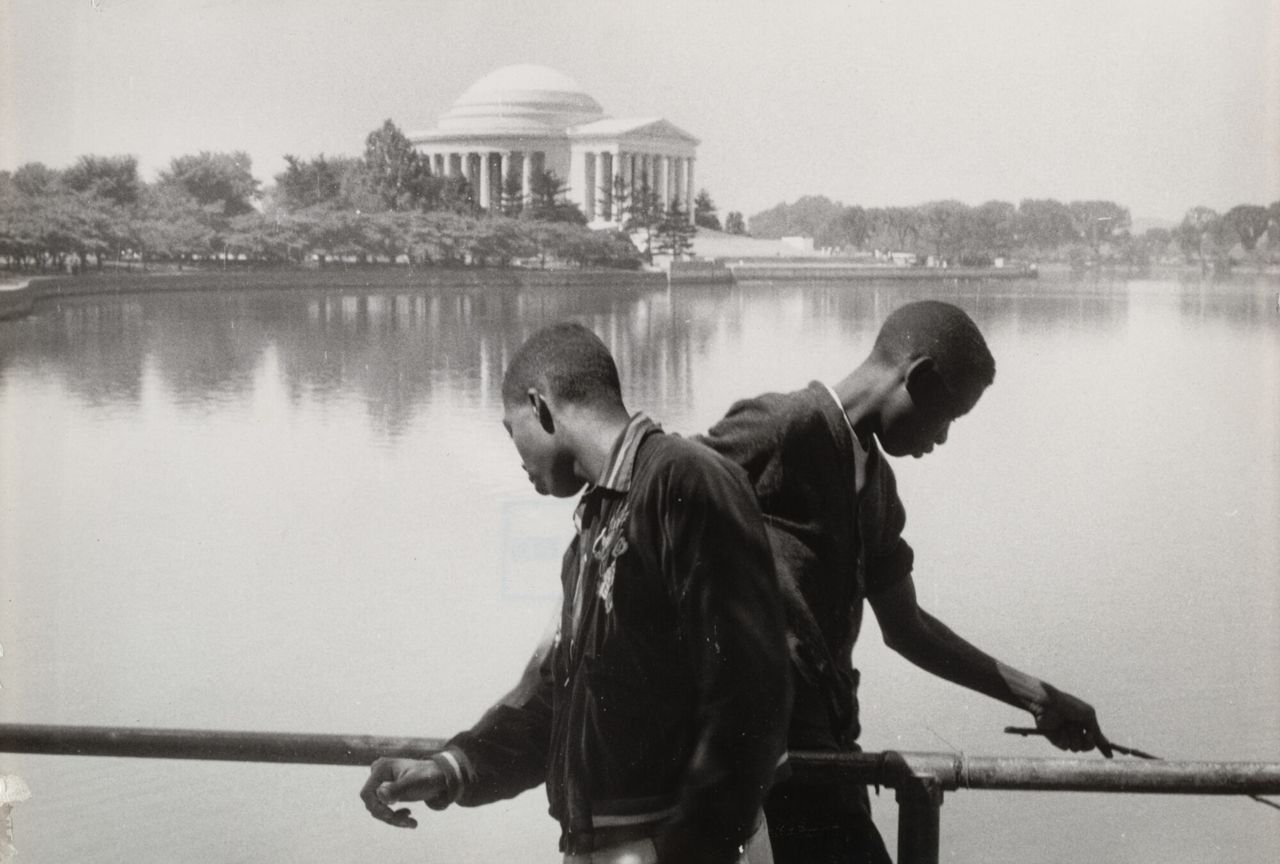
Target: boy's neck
591,434
861,393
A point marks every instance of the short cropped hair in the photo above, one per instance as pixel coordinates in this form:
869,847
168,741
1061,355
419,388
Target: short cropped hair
945,333
568,362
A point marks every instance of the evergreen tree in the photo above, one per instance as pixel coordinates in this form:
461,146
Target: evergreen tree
512,191
398,174
704,211
547,201
675,232
643,215
734,223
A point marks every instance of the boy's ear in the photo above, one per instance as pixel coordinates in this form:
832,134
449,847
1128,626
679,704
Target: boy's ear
543,410
924,382
921,372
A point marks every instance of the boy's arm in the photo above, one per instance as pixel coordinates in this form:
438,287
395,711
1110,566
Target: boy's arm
1068,722
501,756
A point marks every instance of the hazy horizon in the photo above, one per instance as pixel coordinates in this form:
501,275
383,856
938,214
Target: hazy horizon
1158,108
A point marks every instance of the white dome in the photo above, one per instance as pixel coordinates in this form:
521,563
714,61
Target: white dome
522,99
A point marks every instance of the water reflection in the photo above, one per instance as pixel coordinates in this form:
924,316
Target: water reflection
293,510
394,349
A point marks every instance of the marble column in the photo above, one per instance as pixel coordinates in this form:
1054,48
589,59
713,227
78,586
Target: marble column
688,184
604,179
486,180
677,181
663,180
507,156
616,182
526,174
589,185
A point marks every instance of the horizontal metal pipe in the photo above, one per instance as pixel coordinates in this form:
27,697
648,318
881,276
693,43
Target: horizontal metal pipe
281,747
890,769
958,771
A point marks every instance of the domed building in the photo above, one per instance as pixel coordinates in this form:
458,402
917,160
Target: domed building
525,118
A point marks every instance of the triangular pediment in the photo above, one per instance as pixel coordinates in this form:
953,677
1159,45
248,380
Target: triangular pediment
637,129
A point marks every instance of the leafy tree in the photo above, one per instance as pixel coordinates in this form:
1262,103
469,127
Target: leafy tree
993,229
114,178
1046,224
1098,222
1156,242
805,218
704,211
1193,234
221,181
35,178
675,232
1249,222
316,181
500,238
734,223
894,228
942,228
398,174
851,227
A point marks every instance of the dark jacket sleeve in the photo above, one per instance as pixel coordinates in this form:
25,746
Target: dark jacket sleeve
717,559
506,752
750,435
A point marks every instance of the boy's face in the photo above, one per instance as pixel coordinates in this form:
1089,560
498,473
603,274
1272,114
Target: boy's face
918,414
549,466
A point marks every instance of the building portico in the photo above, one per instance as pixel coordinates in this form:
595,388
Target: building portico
522,120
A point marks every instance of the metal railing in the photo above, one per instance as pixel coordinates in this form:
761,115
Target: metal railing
919,779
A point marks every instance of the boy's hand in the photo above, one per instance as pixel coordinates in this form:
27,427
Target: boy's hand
392,780
1070,723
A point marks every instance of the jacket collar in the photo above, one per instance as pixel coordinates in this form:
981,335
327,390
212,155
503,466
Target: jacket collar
618,471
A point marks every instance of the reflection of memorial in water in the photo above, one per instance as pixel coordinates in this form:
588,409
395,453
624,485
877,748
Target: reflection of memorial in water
397,350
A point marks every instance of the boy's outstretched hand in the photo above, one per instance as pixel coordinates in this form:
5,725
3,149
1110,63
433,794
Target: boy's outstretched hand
393,780
1070,723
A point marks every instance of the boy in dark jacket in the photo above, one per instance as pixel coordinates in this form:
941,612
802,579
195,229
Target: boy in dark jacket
657,715
835,525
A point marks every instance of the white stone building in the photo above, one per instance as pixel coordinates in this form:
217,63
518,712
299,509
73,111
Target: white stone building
519,119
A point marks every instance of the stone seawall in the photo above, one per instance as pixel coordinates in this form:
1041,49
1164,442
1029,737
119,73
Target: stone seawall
17,302
747,271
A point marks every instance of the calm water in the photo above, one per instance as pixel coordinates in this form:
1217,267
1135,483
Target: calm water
297,511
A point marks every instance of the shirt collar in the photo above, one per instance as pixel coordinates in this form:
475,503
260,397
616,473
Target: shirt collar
840,407
616,476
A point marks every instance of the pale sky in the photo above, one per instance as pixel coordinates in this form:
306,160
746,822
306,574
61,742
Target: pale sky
1159,106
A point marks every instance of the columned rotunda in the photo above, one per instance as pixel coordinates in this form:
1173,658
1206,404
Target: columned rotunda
521,119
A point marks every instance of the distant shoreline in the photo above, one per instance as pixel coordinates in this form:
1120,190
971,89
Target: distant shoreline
22,299
22,293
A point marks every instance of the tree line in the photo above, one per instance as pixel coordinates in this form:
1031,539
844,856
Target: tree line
1081,232
383,206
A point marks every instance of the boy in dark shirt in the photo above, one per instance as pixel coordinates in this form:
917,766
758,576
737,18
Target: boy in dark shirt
657,714
835,525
